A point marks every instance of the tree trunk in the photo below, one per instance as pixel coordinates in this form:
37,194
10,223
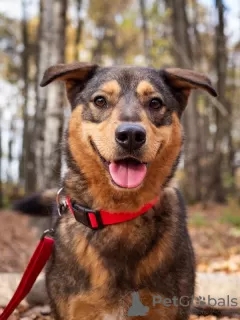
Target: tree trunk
41,94
97,52
1,188
79,28
50,100
10,152
55,104
146,40
25,166
203,132
221,68
231,150
184,58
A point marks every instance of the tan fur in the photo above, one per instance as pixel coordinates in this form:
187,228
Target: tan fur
88,258
111,91
92,307
145,88
159,311
163,250
63,306
111,88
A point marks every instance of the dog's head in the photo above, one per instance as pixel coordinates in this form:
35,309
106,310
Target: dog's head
124,132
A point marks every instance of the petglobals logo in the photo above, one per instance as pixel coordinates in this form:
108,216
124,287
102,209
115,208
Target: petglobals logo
183,301
139,309
216,302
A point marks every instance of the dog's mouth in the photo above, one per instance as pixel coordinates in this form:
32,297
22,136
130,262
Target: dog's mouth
128,173
125,173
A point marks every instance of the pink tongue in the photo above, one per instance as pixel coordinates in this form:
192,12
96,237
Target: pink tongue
127,175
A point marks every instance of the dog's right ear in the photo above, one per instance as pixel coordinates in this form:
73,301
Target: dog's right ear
70,73
75,75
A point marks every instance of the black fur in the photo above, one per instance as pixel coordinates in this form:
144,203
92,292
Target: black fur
34,205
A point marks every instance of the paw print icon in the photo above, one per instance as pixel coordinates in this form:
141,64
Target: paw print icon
200,301
137,309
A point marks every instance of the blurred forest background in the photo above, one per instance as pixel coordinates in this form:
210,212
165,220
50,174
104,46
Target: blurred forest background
197,34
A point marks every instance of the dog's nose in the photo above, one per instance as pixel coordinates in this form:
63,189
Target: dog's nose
130,136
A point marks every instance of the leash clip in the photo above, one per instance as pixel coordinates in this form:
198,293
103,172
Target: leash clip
60,206
47,232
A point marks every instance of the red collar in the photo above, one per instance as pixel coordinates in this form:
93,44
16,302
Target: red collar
98,219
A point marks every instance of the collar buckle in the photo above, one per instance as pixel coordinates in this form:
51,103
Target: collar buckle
90,218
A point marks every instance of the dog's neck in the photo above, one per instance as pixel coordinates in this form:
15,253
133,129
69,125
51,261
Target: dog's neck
76,188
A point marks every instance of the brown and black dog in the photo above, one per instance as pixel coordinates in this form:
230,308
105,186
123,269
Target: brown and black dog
122,147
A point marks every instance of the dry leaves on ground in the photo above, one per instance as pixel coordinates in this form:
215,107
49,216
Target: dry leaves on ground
216,244
17,241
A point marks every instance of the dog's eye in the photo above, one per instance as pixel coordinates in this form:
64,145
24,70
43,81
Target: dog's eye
100,101
155,103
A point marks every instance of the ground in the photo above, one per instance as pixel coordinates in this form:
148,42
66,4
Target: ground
41,313
18,240
215,233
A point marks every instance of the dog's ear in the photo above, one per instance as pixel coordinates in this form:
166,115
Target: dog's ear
74,75
76,71
184,80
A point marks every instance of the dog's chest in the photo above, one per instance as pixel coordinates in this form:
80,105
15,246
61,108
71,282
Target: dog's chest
117,315
130,306
106,259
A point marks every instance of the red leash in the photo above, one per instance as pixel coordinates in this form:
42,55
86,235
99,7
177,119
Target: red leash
91,218
35,266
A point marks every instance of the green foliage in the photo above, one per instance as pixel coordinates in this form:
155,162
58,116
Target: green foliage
9,41
231,213
198,220
12,192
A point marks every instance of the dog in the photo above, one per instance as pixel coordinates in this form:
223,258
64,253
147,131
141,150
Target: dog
122,147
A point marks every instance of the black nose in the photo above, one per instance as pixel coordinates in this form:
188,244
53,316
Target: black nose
130,136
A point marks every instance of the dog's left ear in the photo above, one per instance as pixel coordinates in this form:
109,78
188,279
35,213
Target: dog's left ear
184,80
76,71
